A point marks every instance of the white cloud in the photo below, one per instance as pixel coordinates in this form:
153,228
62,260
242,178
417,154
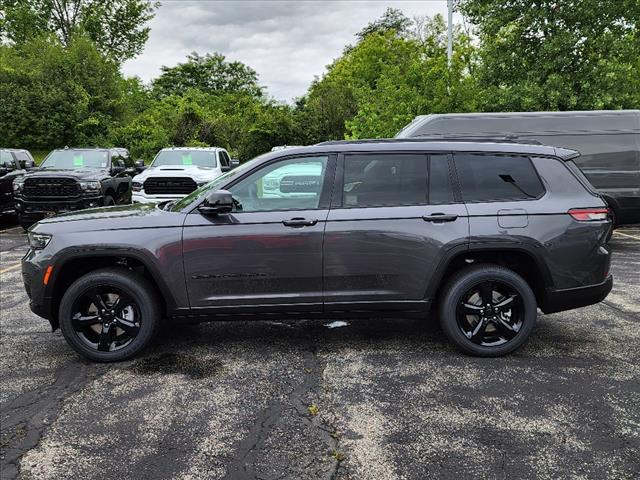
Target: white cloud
286,42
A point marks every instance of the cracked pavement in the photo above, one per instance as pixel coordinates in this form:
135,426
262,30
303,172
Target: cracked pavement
372,399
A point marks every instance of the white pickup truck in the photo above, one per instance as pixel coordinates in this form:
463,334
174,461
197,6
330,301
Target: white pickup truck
177,171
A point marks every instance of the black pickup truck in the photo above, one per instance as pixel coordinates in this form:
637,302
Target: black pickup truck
73,179
14,163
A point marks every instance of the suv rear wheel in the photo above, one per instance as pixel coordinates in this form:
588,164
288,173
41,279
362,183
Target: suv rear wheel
487,310
109,315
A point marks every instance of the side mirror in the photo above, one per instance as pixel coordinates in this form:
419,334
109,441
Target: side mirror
140,167
217,202
235,163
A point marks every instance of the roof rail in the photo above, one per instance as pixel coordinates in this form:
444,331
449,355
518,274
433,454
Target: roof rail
505,139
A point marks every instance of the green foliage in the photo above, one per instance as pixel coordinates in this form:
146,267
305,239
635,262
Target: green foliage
550,55
55,96
210,73
391,20
60,82
116,27
388,78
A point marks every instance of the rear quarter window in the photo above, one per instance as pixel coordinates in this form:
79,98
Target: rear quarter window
492,178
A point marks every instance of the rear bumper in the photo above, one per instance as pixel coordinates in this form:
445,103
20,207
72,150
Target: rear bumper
568,299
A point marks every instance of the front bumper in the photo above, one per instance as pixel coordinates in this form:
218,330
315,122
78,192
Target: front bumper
33,210
40,300
141,197
570,298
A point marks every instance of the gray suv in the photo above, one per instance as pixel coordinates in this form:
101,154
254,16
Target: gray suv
486,233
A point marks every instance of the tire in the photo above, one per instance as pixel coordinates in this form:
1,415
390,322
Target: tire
25,224
84,328
481,331
108,201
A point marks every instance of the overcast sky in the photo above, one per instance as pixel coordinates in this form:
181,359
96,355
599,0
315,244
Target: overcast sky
286,42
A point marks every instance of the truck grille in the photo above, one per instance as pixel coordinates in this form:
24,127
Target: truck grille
51,188
169,186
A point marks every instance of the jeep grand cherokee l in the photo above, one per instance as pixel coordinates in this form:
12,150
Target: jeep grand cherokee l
486,232
73,179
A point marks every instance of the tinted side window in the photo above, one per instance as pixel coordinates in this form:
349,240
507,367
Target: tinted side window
385,180
486,178
440,190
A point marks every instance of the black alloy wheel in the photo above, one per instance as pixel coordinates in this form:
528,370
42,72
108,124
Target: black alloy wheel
106,318
110,314
487,310
490,313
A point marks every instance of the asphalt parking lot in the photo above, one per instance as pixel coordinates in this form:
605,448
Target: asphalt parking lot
376,399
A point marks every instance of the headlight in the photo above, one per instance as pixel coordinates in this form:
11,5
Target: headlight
90,186
18,185
136,186
38,241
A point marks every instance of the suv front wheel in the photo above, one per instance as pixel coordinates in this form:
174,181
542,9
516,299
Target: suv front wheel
487,310
109,315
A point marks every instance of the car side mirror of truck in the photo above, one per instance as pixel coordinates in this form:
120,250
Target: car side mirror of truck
217,202
140,167
234,163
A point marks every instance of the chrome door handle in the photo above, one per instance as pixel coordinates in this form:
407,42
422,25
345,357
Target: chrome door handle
299,222
440,217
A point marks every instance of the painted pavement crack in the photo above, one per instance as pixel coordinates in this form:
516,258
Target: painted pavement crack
243,466
26,418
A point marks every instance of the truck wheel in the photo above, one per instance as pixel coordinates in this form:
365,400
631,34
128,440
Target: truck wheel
25,224
108,201
109,315
487,310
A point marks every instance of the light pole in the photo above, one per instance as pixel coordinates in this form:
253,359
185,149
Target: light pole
449,31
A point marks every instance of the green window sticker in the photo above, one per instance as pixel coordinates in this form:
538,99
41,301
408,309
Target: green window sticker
78,161
186,159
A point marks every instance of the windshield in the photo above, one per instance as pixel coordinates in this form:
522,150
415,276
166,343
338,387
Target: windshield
72,159
6,159
214,185
201,158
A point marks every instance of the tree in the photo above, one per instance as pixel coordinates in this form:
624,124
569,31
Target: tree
54,96
388,78
392,19
210,73
551,55
117,27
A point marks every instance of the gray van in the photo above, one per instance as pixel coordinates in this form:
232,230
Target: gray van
608,140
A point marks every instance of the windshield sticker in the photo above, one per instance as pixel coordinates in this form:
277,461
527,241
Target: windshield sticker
186,159
78,160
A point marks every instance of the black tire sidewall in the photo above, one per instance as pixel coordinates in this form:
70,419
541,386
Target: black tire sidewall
465,280
123,279
108,201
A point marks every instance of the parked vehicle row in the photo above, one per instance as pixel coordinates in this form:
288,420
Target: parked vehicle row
483,232
72,179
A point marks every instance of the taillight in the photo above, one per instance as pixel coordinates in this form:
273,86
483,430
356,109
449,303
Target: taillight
589,214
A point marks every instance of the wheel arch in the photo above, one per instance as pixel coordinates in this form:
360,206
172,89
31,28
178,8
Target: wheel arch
522,259
71,265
